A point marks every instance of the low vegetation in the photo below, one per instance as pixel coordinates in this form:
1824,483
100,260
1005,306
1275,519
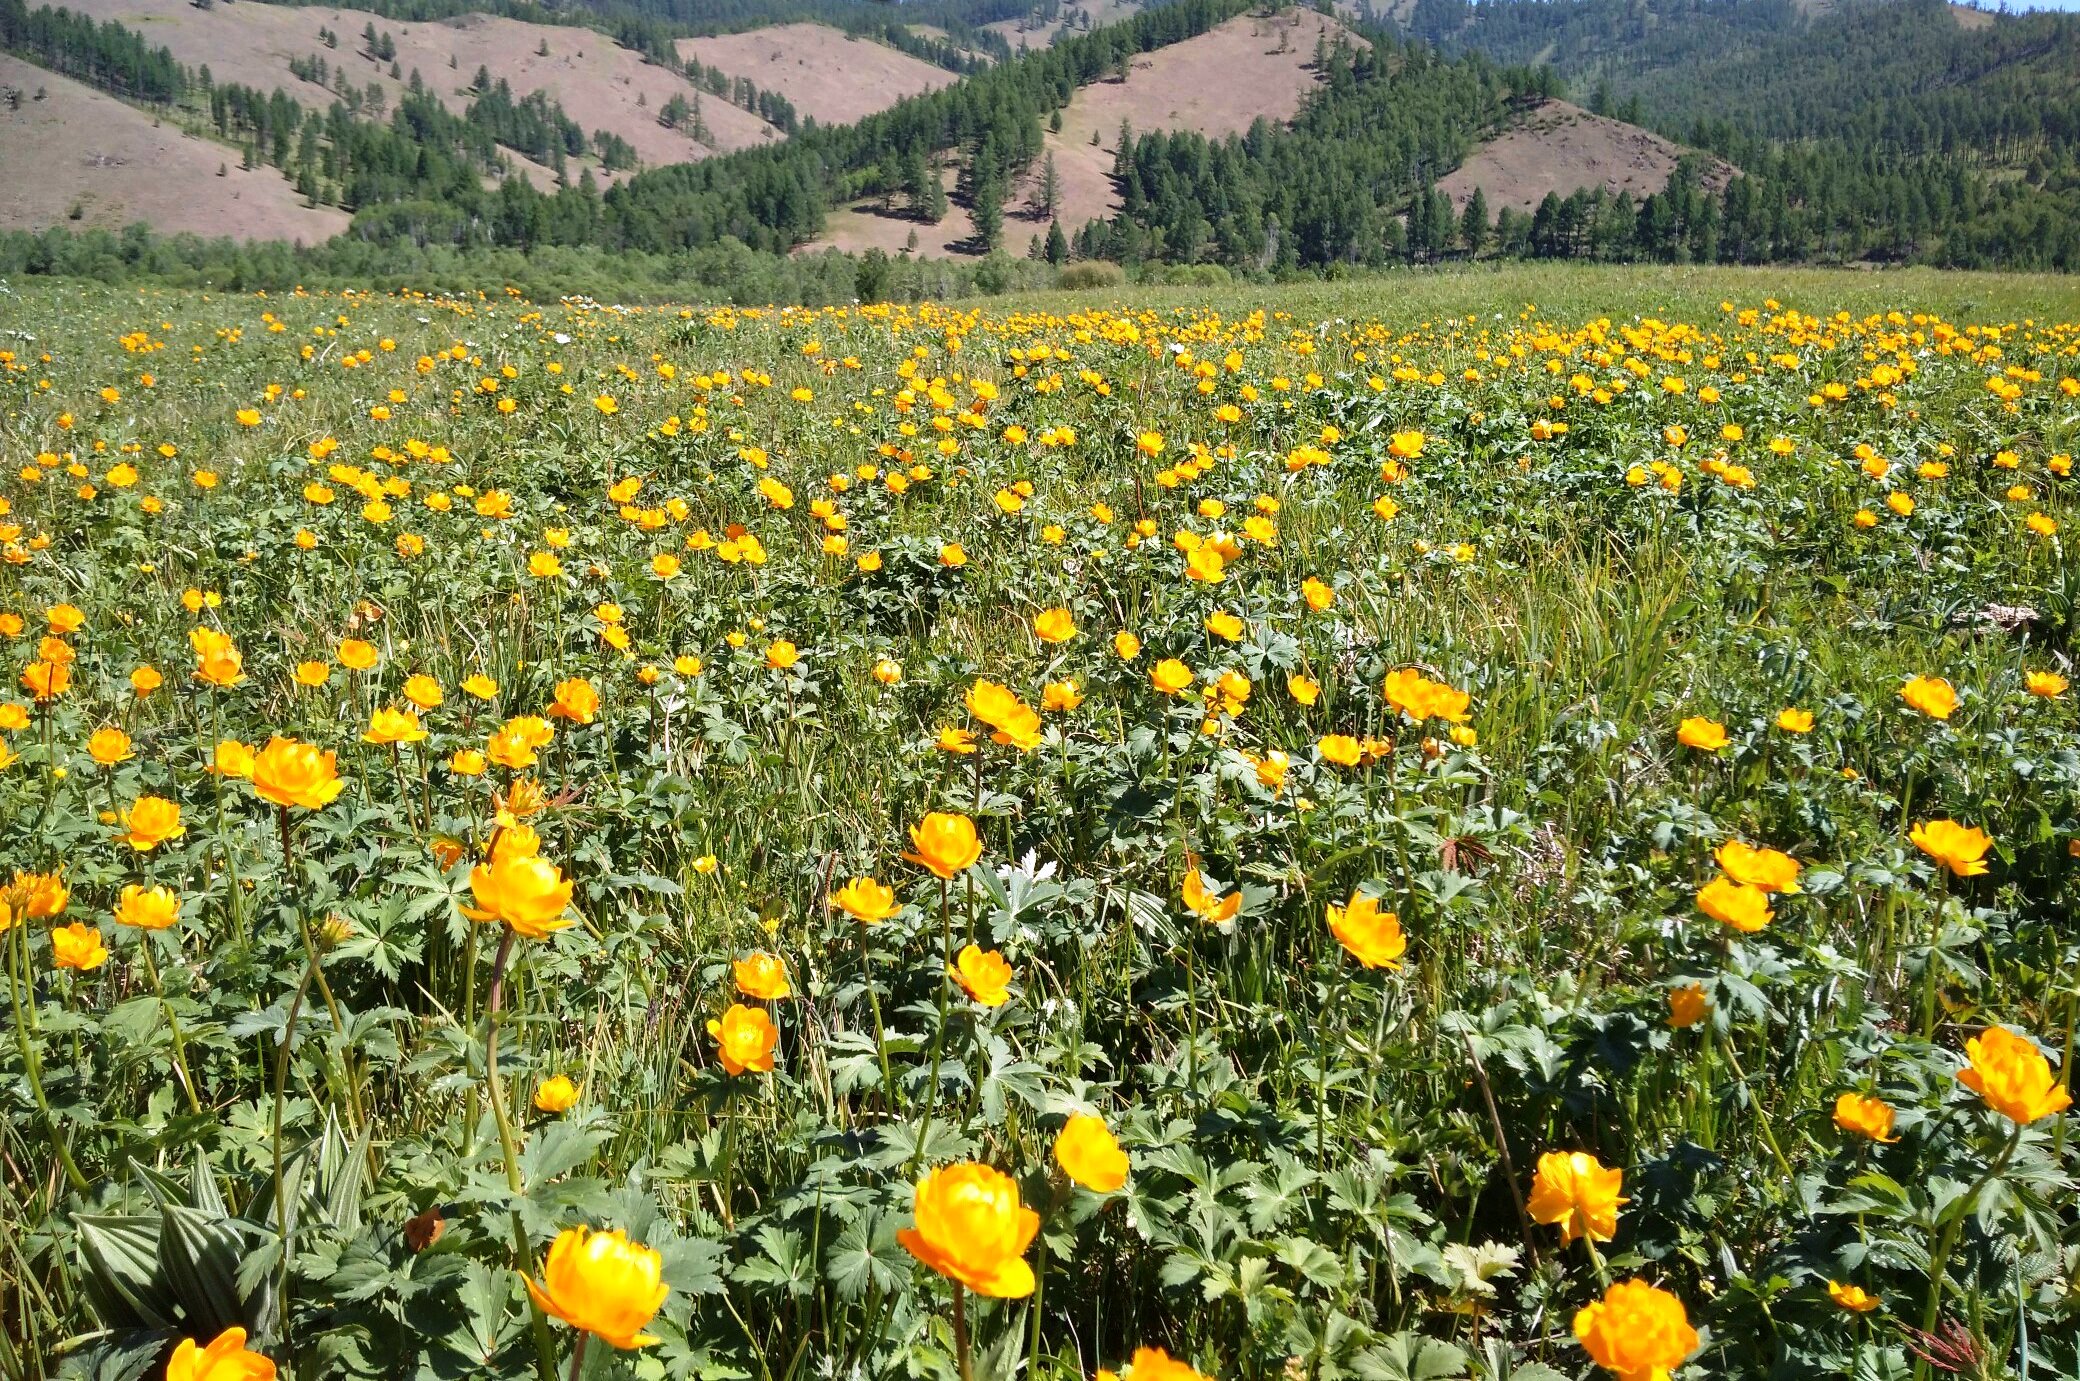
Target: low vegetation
1521,827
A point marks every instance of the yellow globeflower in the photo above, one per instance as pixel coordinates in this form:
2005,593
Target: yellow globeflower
1372,936
288,773
945,843
2012,1075
1637,1332
524,891
971,1228
745,1037
556,1094
866,900
150,822
1088,1154
1576,1192
225,1359
763,976
1960,848
78,946
602,1284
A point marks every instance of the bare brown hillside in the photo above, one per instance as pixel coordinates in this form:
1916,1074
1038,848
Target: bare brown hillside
66,148
1217,84
1556,147
825,73
599,84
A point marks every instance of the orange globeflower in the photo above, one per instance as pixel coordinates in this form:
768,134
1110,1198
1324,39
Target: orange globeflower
1765,869
312,674
46,681
1960,848
1795,721
1744,908
1372,936
576,700
744,1039
524,891
603,1284
1705,735
1866,1116
1207,905
2012,1075
1154,1364
972,1229
763,976
866,901
1687,1006
78,946
218,662
1931,695
984,974
1636,1332
356,655
289,773
36,896
109,746
1054,626
1088,1154
1341,749
1170,676
147,908
422,690
225,1359
945,843
1575,1191
150,822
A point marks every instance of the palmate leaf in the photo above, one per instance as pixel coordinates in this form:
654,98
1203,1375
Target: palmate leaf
867,1253
1410,1357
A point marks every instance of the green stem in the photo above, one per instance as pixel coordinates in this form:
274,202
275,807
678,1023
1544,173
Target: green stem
33,1068
523,1250
173,1024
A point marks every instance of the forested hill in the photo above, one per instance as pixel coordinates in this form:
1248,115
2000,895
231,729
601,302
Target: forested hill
1909,76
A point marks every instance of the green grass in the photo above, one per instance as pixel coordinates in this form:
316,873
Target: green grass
1330,1164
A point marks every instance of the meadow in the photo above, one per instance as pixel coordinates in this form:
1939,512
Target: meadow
1517,825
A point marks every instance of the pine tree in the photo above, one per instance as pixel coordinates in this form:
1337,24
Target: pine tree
1057,244
1050,188
1473,224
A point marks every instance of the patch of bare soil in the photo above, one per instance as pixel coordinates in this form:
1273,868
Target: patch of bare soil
1556,147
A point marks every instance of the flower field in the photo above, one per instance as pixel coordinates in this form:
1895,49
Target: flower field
963,841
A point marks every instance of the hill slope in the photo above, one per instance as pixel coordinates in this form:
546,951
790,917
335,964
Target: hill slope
1556,148
66,148
599,84
1216,83
830,76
